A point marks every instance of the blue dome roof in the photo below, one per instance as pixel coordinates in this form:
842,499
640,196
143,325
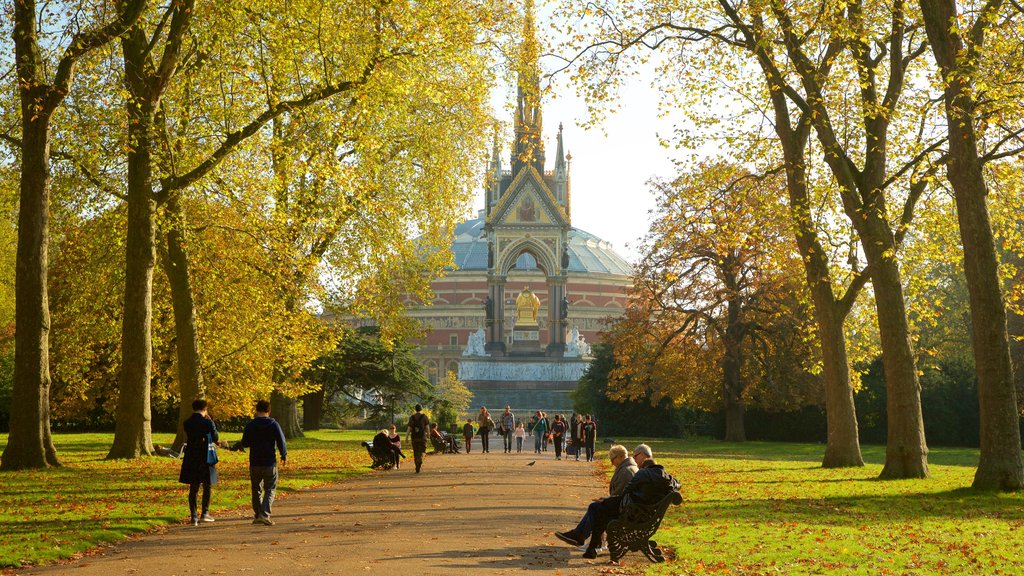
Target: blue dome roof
587,253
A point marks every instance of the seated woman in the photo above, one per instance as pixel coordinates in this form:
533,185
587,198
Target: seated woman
445,441
396,445
382,444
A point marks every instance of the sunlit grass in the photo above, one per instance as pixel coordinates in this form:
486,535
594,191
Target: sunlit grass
51,514
769,508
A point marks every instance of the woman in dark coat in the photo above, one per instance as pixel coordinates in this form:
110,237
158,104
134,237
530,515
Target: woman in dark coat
195,471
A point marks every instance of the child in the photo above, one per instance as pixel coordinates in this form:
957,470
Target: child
467,433
520,435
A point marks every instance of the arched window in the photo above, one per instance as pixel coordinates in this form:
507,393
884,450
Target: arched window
432,372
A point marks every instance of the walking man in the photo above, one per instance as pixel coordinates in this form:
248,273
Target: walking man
262,436
508,426
418,424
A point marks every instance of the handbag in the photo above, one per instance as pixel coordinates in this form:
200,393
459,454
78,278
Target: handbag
211,451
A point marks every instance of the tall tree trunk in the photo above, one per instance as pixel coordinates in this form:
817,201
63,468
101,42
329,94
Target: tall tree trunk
132,434
1000,465
189,366
312,410
734,428
842,447
286,411
29,444
906,453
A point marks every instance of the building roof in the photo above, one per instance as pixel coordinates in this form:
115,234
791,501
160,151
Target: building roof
588,254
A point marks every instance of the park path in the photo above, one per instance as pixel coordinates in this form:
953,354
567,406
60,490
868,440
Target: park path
475,514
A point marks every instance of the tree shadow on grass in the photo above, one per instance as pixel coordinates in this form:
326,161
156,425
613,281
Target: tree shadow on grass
957,503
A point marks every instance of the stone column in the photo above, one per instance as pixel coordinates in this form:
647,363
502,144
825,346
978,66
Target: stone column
556,322
496,325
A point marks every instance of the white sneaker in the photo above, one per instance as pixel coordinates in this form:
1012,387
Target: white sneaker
207,518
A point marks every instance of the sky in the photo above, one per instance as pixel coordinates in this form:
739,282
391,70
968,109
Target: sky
611,162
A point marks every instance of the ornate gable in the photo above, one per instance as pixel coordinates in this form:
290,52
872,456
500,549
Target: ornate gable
528,202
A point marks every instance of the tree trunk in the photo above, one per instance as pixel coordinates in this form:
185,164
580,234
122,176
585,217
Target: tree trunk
189,366
132,434
29,444
312,410
286,411
906,453
842,449
1000,465
734,430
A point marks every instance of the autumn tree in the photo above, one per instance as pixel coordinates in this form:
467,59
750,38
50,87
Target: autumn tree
972,97
188,83
713,283
616,42
45,72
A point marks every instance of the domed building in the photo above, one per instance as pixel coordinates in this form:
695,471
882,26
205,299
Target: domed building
529,293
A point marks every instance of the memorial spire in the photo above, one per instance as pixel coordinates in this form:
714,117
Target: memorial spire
528,149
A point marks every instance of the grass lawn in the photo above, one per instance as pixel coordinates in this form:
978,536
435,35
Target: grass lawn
769,508
52,514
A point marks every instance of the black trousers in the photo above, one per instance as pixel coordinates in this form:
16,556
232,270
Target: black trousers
604,512
419,448
557,439
193,491
485,441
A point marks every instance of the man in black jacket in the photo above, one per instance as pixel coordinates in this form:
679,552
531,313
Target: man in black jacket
262,435
649,485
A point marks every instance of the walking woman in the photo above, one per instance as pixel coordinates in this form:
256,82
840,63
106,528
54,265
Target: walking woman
483,420
558,435
540,429
589,436
576,432
196,469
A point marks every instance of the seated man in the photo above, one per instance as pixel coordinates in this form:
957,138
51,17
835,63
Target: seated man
649,485
382,446
625,469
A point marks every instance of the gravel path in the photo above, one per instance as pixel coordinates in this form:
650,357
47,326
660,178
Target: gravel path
475,514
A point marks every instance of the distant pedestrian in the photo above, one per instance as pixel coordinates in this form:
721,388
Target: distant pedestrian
485,425
507,425
540,429
264,438
547,432
467,433
589,436
520,436
196,468
418,430
576,434
558,429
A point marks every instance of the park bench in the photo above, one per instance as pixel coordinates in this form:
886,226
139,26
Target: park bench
381,460
634,527
447,445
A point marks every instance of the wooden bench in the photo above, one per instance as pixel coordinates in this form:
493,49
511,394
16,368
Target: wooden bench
380,461
634,527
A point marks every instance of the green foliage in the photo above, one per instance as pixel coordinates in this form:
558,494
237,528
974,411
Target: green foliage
636,417
769,508
450,400
51,514
6,384
364,373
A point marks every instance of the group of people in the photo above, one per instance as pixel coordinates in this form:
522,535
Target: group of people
264,439
580,431
639,480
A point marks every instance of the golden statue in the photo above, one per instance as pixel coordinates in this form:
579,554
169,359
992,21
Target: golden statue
527,305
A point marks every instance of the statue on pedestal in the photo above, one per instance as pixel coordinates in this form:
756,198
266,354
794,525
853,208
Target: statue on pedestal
527,306
475,344
576,345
